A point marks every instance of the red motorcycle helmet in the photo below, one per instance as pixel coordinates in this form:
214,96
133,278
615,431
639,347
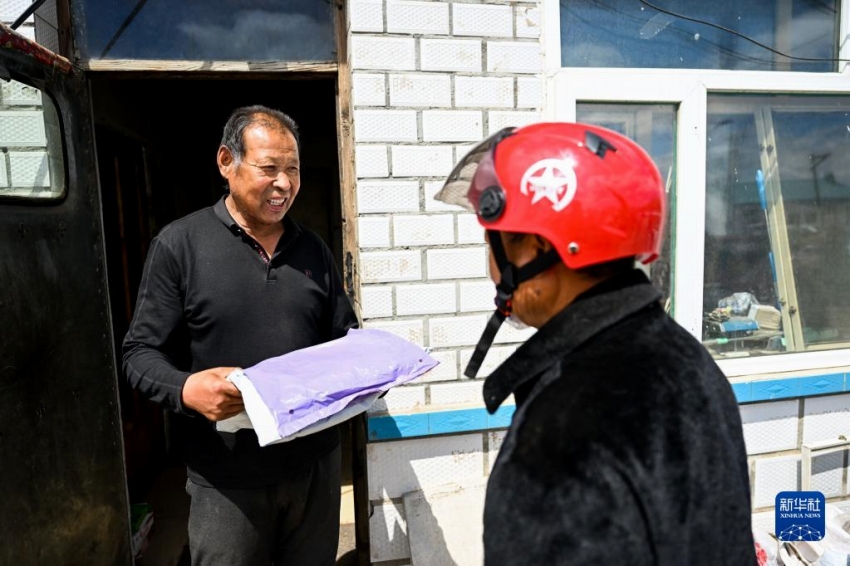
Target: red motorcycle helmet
593,193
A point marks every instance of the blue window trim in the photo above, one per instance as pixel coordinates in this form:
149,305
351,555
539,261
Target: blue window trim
395,427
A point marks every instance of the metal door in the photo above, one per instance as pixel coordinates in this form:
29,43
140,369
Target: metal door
63,495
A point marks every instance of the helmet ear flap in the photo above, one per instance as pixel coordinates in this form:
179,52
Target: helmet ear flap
491,203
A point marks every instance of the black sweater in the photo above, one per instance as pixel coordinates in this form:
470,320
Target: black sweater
208,299
626,446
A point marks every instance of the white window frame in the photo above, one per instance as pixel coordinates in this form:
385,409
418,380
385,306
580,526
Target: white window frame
689,90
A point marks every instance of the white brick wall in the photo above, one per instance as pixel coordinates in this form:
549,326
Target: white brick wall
784,473
452,126
385,125
388,533
421,161
366,15
459,330
400,399
423,230
469,231
371,161
445,371
14,93
507,334
460,55
430,80
4,180
774,475
418,17
514,57
420,90
770,427
495,439
433,205
368,89
380,267
484,92
494,358
376,301
387,196
527,21
29,169
373,232
22,128
464,263
434,298
826,418
482,20
410,330
462,150
502,119
396,468
385,53
476,296
529,92
466,392
11,9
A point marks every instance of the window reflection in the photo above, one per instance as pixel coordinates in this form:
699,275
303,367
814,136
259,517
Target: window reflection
620,33
653,127
777,242
31,156
212,30
813,152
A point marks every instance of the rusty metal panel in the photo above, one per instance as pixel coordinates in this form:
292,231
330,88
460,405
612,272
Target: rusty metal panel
63,492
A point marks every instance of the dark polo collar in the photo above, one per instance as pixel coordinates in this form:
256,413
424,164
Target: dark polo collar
592,312
291,230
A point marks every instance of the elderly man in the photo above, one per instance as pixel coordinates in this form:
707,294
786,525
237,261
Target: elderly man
229,286
626,446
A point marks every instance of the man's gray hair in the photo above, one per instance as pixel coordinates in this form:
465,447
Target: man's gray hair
233,137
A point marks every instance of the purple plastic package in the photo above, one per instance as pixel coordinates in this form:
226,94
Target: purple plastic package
309,386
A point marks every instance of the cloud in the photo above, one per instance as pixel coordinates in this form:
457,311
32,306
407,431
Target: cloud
258,35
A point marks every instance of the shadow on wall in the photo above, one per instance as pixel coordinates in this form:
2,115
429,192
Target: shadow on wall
435,525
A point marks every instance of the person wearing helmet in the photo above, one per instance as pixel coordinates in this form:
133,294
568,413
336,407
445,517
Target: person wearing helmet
626,446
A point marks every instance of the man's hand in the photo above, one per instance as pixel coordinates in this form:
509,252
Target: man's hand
209,393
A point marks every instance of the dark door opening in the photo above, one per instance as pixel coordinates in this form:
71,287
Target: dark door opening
156,140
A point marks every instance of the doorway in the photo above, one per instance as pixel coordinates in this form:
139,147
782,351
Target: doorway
156,140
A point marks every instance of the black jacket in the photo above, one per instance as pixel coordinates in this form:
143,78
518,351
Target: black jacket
626,447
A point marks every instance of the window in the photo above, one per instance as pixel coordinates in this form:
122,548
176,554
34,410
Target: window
215,30
653,126
620,33
777,230
31,157
757,150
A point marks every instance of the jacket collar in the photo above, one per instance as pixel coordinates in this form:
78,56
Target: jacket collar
589,314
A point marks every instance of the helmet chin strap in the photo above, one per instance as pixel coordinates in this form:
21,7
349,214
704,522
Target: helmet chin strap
511,277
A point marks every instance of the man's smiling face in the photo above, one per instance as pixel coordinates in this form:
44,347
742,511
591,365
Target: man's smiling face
266,181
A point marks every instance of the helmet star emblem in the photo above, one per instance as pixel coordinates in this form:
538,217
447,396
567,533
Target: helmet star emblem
552,179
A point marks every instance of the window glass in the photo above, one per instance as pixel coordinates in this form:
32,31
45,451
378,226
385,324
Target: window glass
209,30
813,154
620,33
31,163
777,233
653,127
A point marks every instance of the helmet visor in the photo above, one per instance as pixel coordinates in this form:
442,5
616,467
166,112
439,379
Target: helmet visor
474,173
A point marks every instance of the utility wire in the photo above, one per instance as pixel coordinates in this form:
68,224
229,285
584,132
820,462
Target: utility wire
27,13
741,35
